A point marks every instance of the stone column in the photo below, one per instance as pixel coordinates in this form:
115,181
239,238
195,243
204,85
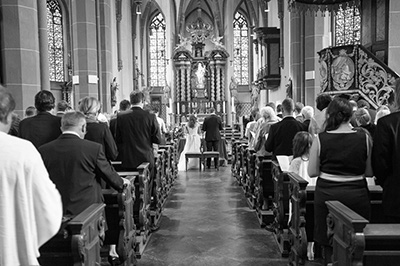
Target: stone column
84,47
106,56
43,45
297,54
20,51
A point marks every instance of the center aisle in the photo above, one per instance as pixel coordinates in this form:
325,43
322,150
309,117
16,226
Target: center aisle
206,221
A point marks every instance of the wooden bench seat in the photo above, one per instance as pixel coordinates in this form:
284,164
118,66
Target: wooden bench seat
356,242
301,225
121,229
202,156
79,240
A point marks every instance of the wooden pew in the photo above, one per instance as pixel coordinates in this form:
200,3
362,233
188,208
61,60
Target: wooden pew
249,182
357,242
243,148
237,159
301,228
263,190
79,240
169,162
141,211
281,208
121,229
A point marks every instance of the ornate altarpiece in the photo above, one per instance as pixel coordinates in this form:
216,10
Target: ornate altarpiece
200,81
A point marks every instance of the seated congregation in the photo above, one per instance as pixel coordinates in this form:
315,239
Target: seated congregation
324,184
77,192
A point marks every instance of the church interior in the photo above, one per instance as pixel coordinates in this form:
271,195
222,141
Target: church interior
187,56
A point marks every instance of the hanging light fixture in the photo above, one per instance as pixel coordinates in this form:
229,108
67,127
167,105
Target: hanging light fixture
138,7
266,7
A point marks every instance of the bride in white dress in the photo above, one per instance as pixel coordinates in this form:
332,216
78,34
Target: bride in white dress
193,142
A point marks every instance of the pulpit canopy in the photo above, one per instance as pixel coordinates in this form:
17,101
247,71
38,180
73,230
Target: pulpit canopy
320,5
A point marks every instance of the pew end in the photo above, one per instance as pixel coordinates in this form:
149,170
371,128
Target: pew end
79,240
356,242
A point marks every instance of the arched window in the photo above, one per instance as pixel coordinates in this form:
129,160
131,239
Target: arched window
56,41
241,49
347,26
157,51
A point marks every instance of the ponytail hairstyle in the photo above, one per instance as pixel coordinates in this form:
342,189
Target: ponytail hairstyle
339,111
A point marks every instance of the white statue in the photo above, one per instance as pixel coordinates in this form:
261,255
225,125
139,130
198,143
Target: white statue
200,75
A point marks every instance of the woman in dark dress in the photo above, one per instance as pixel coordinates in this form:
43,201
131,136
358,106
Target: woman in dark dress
97,131
341,159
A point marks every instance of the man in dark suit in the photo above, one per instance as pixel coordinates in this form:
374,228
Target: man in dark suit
75,166
44,126
136,132
281,134
212,125
386,158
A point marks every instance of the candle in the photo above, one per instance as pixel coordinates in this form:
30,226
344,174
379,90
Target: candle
233,104
223,106
177,108
170,104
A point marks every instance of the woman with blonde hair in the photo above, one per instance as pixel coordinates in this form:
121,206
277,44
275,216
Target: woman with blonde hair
97,131
269,118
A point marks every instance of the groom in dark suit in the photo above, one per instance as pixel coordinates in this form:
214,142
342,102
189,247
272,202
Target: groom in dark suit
75,165
212,125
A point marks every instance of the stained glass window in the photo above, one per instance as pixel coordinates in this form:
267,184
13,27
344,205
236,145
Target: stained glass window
347,26
241,49
157,51
55,39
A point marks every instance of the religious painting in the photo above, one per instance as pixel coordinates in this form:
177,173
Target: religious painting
342,71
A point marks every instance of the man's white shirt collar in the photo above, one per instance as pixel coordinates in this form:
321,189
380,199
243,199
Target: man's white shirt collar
71,132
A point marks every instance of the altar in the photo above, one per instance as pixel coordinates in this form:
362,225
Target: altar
200,71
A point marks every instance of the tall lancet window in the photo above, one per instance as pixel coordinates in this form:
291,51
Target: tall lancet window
347,26
157,51
56,41
241,49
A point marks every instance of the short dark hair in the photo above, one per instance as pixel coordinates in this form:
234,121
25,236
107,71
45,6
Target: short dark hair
363,103
155,109
288,105
298,106
30,111
272,105
136,97
279,108
124,105
211,110
44,101
7,104
322,101
63,106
